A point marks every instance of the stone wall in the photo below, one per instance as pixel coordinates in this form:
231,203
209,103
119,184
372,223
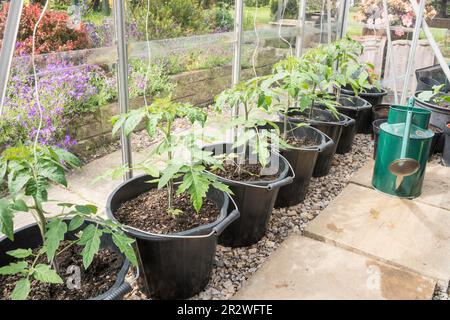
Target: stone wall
196,87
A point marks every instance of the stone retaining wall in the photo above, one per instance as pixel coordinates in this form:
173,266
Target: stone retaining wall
196,87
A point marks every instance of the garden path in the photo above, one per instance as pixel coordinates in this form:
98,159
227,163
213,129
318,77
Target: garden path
365,245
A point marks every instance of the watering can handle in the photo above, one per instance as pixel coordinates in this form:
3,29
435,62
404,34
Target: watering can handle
407,131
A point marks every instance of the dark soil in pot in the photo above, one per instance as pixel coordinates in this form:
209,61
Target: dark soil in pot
148,212
373,96
440,114
331,126
359,109
99,278
255,200
176,265
103,280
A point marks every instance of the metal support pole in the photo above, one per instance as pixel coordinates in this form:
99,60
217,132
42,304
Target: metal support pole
433,44
412,51
300,28
344,11
329,21
239,17
122,79
390,50
9,44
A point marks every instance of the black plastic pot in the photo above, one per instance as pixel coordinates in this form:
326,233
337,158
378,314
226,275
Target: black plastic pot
381,111
439,115
373,96
174,266
30,237
333,127
359,109
302,160
431,76
437,143
255,201
446,153
376,133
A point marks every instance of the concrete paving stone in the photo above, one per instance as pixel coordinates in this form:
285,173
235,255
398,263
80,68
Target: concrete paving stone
81,181
435,189
303,268
406,233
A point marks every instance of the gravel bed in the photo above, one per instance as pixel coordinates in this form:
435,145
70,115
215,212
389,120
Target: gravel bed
235,265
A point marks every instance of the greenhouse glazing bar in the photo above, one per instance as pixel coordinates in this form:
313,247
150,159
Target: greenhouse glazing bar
300,28
9,44
122,78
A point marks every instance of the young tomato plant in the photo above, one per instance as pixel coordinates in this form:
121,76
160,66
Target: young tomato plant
254,102
28,173
184,167
436,96
303,83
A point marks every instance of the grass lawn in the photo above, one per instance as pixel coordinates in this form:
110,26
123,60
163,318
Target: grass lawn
263,16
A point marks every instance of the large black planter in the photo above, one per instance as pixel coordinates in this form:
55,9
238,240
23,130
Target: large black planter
359,109
173,266
439,115
326,122
373,96
255,201
302,160
30,237
446,153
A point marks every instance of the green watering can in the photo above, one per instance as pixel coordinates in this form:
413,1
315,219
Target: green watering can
403,150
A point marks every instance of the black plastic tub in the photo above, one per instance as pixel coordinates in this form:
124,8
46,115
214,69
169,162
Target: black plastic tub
381,111
255,201
326,122
437,143
373,96
431,76
376,134
30,237
359,109
173,266
302,160
446,153
440,115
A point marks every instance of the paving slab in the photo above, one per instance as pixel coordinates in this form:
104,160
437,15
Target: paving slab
81,181
303,268
435,189
405,233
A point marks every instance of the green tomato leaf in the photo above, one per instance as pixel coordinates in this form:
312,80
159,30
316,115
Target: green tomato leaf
124,243
6,219
17,181
75,223
91,246
56,229
20,205
86,209
21,290
13,268
20,253
43,273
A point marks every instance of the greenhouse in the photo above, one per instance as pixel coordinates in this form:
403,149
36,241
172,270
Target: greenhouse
233,150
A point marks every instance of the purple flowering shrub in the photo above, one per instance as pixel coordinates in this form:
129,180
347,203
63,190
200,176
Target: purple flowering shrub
65,92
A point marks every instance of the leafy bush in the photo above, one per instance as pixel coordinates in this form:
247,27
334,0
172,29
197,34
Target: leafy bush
54,33
170,19
257,3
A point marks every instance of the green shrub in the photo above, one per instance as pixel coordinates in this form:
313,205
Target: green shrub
257,3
